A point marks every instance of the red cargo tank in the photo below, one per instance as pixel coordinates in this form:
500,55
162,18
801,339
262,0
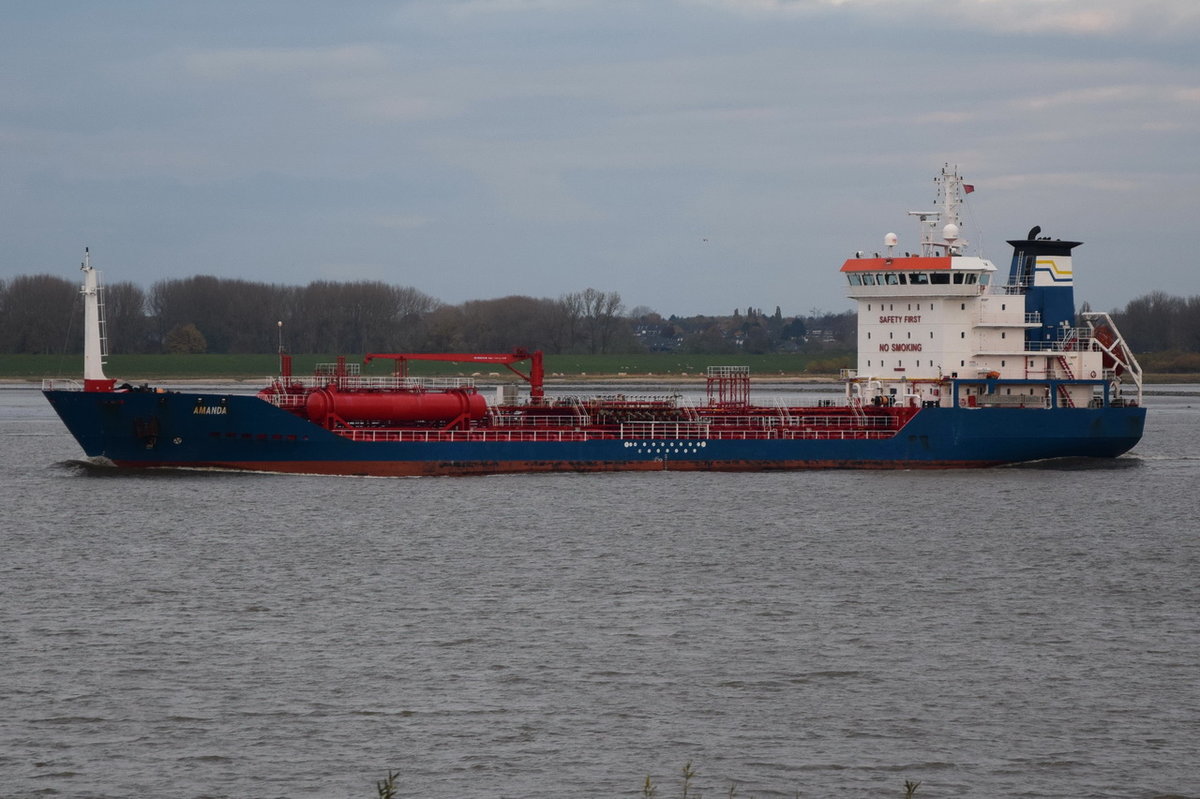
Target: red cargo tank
395,409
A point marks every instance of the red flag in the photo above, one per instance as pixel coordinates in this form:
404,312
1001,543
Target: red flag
968,188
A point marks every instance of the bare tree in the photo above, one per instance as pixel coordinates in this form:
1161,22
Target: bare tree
129,328
442,330
40,314
601,315
502,324
1153,322
568,323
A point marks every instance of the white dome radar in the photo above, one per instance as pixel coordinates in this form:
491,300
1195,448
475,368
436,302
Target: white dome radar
950,232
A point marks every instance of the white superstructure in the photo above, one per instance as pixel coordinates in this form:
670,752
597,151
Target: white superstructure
938,326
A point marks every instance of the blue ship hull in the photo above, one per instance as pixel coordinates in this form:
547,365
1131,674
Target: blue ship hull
230,431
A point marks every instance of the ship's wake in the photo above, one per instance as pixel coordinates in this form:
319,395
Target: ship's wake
103,467
1081,464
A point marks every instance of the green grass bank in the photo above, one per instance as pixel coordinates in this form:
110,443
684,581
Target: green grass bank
151,368
142,368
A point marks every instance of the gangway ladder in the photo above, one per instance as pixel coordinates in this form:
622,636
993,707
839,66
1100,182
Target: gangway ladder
1063,391
785,416
860,418
582,417
103,316
1114,346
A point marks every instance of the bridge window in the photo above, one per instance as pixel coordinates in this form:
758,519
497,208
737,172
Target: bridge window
855,279
940,278
958,277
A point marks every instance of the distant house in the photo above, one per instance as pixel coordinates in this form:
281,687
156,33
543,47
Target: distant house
658,338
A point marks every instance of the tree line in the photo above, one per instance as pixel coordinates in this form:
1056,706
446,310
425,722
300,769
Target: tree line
43,314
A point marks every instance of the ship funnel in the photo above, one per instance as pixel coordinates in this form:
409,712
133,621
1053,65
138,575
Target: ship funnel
1041,270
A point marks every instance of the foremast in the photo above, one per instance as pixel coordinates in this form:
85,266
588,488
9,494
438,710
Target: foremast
95,343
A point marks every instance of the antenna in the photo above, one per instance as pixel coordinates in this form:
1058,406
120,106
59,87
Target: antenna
950,189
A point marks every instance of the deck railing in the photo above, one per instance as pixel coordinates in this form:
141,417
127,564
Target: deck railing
821,428
373,382
61,384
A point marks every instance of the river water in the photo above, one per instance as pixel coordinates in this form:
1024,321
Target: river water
1029,631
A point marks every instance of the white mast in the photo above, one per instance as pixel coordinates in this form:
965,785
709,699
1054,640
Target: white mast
94,342
950,189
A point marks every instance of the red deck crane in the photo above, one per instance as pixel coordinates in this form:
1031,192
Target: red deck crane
535,377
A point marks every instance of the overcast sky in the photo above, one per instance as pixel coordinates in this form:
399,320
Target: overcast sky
694,155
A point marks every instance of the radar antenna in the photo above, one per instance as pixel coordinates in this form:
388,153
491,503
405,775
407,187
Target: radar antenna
944,239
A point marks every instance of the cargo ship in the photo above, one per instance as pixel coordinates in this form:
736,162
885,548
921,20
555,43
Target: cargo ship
956,368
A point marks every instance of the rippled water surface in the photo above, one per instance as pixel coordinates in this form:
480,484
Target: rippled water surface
1030,631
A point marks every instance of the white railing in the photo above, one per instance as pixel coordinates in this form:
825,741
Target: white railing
1003,319
374,382
538,420
61,384
738,421
847,421
286,400
331,369
555,436
1077,340
836,435
662,400
665,430
728,371
657,431
1119,351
